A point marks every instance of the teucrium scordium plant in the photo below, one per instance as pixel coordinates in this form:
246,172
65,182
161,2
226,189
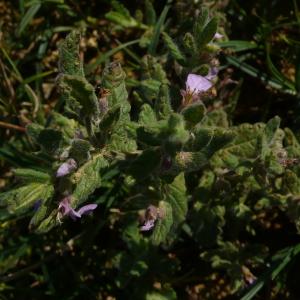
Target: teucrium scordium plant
173,160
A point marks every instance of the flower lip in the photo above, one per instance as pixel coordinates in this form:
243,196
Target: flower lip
218,36
196,84
65,209
86,209
148,225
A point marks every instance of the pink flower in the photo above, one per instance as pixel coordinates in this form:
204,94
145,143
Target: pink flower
196,85
150,217
66,168
65,209
218,36
148,225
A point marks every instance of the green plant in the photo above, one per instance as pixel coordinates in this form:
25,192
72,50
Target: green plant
181,192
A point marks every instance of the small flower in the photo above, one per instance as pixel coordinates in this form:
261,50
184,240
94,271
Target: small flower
65,209
86,209
148,225
151,214
218,36
66,168
196,85
212,73
37,204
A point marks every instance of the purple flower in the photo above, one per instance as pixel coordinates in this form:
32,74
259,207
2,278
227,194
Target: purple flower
66,168
86,209
148,225
151,215
218,36
212,73
37,204
196,85
65,209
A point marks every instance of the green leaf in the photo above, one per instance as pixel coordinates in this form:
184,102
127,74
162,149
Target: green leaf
50,140
150,88
40,215
175,135
23,198
175,195
114,81
292,144
152,134
163,223
122,140
33,130
69,59
201,21
152,69
194,113
216,117
123,20
120,8
80,150
209,139
80,97
68,126
162,105
189,43
87,179
150,13
110,119
242,148
187,162
30,175
173,48
207,34
48,223
147,116
269,135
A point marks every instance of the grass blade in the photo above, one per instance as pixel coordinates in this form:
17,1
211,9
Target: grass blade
12,64
272,82
103,57
37,76
274,71
30,13
238,45
285,258
157,30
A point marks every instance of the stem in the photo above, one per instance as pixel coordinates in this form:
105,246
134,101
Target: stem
12,126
